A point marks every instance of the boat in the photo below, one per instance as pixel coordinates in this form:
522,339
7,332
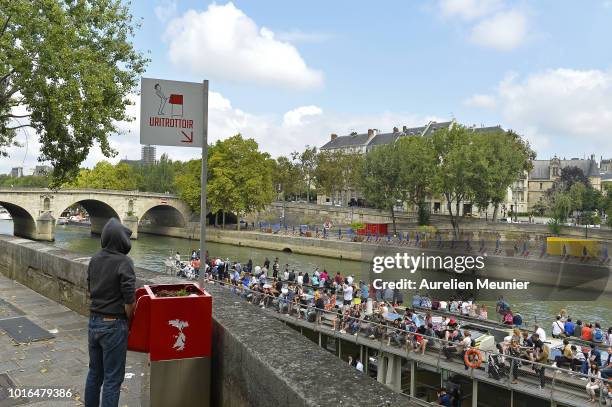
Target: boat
5,215
62,220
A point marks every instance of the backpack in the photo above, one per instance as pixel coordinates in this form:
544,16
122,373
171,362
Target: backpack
597,335
508,318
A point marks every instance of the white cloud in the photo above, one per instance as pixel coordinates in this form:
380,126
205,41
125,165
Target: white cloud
297,36
298,116
563,111
165,10
469,9
223,42
495,24
480,101
276,134
503,31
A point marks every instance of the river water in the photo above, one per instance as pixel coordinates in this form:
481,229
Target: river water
149,252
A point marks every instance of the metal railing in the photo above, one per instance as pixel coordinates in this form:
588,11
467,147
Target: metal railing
526,248
506,370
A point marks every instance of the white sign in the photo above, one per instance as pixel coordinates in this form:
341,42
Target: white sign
171,113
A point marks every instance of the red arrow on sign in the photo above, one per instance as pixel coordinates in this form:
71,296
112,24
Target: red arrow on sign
188,137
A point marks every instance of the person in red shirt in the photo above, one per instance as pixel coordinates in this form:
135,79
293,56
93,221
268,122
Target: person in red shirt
338,279
587,332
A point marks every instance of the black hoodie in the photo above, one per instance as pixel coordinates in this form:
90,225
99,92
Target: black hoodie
110,275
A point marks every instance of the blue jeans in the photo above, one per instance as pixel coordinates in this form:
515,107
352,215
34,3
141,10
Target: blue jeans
107,351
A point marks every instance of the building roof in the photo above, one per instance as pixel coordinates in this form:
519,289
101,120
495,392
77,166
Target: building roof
432,127
541,168
488,129
362,139
384,138
347,141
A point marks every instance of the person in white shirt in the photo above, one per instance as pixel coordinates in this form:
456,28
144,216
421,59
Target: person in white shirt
558,329
286,275
300,279
541,333
465,308
347,292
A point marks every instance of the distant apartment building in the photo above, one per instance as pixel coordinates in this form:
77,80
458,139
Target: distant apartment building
148,155
355,143
546,172
17,172
42,170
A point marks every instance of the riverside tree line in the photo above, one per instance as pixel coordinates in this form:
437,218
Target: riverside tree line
456,164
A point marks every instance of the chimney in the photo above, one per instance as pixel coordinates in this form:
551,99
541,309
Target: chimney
404,129
370,132
395,130
334,136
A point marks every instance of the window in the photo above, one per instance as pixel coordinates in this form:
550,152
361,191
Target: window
540,185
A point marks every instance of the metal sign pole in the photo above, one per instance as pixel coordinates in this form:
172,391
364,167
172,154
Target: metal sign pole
204,174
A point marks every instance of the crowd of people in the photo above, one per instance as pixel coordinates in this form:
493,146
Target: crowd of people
354,307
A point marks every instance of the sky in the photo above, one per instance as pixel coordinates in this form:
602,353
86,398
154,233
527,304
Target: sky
288,74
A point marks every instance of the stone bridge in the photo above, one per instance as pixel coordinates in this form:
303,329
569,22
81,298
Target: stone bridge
35,211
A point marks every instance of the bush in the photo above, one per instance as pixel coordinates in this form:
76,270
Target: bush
423,215
554,226
357,225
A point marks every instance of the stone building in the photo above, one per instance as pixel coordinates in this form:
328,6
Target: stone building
546,172
356,143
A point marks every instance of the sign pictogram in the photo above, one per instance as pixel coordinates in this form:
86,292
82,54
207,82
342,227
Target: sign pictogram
171,113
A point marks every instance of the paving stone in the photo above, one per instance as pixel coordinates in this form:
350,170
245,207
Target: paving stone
62,361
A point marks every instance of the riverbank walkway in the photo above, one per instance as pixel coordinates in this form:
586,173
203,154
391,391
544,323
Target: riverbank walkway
57,363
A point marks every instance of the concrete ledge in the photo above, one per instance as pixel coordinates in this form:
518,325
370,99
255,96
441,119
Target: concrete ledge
269,364
257,360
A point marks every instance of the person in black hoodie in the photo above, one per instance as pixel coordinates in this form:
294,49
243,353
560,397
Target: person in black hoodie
111,284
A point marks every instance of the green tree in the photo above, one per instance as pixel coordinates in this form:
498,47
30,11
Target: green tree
28,181
307,160
70,66
239,178
460,165
104,175
188,183
418,166
329,172
157,177
508,157
287,176
382,181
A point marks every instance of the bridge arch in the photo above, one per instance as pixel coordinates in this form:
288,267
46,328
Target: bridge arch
161,219
99,212
24,223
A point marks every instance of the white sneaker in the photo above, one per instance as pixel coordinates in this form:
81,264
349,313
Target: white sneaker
371,337
554,364
342,331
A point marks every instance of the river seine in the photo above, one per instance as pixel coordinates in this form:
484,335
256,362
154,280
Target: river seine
150,251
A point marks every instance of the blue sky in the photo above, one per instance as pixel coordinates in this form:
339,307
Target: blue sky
290,73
